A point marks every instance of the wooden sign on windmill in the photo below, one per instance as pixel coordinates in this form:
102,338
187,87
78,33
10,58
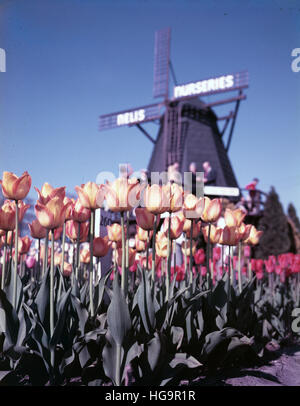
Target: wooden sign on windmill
189,130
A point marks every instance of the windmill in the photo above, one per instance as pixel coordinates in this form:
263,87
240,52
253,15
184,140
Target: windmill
189,128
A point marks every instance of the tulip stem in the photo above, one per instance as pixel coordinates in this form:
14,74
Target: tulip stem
249,269
39,261
229,277
62,260
118,365
239,266
16,258
191,254
147,250
127,254
208,256
185,257
77,251
123,253
45,264
4,262
92,220
52,295
168,274
153,250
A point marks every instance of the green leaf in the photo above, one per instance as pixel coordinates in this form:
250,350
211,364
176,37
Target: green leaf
177,334
9,322
118,317
82,313
145,303
61,319
183,358
42,301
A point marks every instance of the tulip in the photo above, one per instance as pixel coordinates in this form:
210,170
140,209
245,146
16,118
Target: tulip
22,208
176,197
212,210
254,236
247,251
139,245
199,257
123,194
91,195
161,245
57,258
156,199
230,236
176,227
85,256
47,258
244,231
24,244
114,232
47,193
8,216
234,218
144,218
36,230
131,257
196,229
30,261
14,187
186,249
215,234
67,269
142,235
72,231
69,202
52,214
57,233
79,213
193,207
101,246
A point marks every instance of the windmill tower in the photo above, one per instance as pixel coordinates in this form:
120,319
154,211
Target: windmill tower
189,130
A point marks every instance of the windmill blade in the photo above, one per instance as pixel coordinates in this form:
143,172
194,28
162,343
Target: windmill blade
131,116
161,63
224,83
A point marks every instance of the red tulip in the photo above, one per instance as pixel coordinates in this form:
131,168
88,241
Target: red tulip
14,187
36,230
199,257
144,218
101,246
8,216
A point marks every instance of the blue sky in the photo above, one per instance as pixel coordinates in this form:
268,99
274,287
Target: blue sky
69,61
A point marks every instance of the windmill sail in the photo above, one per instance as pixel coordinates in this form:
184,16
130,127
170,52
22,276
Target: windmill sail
161,63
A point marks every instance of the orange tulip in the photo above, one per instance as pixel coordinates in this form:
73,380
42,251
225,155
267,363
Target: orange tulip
24,244
69,202
114,232
14,187
22,209
186,250
48,192
57,234
230,236
122,194
85,255
193,207
254,236
79,213
234,218
212,210
144,218
67,269
176,228
196,230
139,245
156,199
72,231
215,234
175,193
142,234
36,230
131,257
161,245
8,216
91,195
244,231
101,246
52,214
